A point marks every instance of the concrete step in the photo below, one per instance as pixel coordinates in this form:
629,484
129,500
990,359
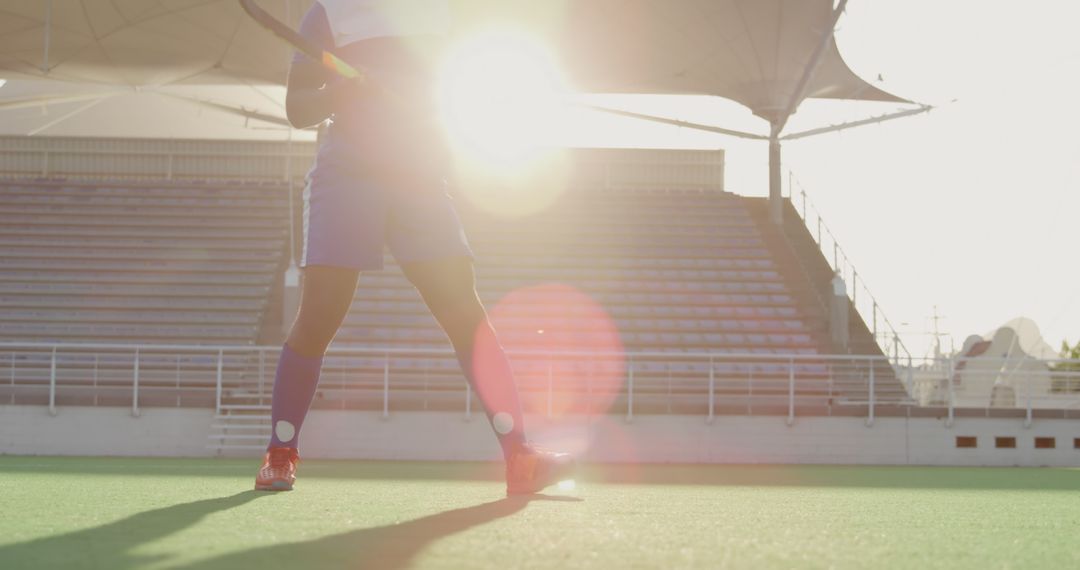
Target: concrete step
252,417
251,447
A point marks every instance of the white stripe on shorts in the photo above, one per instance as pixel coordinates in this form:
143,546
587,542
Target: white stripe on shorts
307,222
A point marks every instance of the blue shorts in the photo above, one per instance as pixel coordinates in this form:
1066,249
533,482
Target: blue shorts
351,216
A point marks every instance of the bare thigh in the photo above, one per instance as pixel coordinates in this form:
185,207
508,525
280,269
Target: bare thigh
448,287
325,299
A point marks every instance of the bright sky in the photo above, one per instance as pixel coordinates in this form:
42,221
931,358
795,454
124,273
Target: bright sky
974,207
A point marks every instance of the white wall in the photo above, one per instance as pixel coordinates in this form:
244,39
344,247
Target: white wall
30,430
447,436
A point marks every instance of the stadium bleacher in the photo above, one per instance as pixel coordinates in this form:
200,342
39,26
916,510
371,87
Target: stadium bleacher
706,284
668,274
142,263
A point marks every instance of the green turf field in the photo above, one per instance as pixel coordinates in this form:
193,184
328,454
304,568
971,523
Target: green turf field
171,513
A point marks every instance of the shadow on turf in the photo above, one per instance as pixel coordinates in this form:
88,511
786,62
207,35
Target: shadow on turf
389,547
111,545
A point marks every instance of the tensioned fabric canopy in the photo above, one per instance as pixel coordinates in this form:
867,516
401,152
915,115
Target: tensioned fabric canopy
751,51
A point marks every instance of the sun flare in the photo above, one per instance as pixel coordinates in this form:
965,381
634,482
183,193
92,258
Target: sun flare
501,99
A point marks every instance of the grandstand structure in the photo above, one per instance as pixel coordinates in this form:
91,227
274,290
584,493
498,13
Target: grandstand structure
186,262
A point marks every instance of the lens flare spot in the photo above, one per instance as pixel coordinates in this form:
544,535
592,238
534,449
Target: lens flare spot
566,351
567,485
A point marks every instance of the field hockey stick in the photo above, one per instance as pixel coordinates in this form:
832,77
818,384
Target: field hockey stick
305,46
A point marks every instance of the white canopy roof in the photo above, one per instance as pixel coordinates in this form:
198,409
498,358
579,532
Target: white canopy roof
750,51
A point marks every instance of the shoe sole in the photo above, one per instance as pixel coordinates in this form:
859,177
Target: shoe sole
566,471
275,486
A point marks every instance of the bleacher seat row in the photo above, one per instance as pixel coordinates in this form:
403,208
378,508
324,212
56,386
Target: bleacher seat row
675,274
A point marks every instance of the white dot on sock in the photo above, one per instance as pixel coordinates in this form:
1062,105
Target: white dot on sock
503,422
284,431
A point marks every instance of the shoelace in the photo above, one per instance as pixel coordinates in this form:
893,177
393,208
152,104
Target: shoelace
280,460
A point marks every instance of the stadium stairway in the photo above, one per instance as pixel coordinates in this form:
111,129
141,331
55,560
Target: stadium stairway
242,419
800,259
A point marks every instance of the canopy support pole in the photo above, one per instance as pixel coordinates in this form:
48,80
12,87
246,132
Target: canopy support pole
776,204
674,122
48,36
851,124
67,116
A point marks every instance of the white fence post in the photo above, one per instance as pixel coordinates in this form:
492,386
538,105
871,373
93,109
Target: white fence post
135,387
468,401
791,392
870,412
951,395
910,377
1027,417
97,363
52,383
712,390
630,392
386,386
749,390
218,387
178,366
875,322
550,386
262,373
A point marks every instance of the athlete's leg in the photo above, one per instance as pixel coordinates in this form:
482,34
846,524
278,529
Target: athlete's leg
449,289
324,301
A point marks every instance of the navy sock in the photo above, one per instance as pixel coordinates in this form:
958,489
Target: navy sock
294,387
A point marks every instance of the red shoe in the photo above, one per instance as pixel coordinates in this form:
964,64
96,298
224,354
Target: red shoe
530,470
278,471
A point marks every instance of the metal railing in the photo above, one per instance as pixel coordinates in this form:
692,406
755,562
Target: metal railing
1025,385
154,159
105,158
885,334
552,383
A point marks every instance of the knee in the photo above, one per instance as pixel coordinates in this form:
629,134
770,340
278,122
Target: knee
309,337
459,315
305,345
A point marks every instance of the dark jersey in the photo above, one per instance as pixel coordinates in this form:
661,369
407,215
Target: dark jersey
402,124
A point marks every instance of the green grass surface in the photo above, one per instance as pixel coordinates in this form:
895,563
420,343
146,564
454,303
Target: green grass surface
76,513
